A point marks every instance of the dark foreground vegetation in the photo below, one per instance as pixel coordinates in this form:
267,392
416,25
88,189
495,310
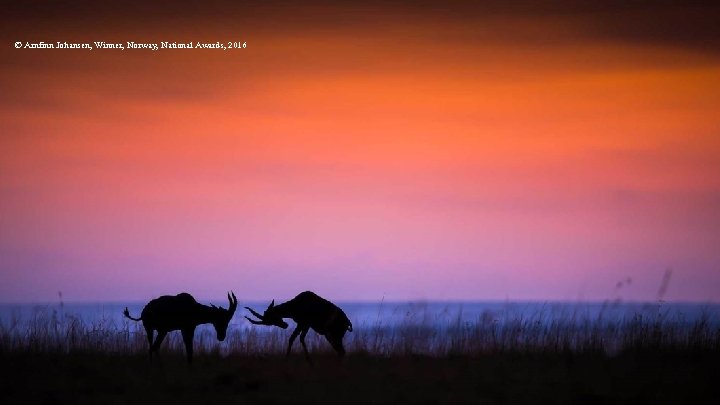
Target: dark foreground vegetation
52,359
501,378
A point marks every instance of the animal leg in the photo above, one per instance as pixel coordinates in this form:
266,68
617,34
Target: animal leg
187,335
295,333
150,334
302,340
158,341
336,343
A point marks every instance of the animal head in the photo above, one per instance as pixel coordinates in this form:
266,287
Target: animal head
222,316
270,317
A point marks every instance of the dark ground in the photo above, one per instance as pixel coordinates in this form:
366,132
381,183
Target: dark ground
649,378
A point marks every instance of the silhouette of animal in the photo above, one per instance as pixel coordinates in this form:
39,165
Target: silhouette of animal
182,312
308,310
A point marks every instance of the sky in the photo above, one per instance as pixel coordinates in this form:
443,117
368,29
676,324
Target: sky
362,150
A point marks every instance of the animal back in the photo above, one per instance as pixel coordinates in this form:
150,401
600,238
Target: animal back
169,310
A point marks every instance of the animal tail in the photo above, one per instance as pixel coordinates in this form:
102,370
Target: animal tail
127,315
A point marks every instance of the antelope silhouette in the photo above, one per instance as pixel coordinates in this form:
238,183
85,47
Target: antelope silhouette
182,312
308,310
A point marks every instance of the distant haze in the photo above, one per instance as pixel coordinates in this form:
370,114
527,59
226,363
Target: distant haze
362,151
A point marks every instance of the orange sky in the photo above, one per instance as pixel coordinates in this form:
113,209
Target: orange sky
469,151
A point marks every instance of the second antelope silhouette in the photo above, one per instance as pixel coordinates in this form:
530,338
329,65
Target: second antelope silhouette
308,310
182,312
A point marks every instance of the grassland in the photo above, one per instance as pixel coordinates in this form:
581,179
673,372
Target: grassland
63,360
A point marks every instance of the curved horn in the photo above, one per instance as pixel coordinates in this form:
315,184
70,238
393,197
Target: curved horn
254,322
255,313
233,302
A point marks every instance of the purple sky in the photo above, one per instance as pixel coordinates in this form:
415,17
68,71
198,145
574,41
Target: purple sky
472,152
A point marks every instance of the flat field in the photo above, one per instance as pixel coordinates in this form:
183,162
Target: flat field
50,359
500,378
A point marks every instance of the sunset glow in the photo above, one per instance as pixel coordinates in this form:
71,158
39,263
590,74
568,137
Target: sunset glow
469,152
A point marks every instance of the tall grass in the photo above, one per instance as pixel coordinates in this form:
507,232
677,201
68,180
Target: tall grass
48,330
